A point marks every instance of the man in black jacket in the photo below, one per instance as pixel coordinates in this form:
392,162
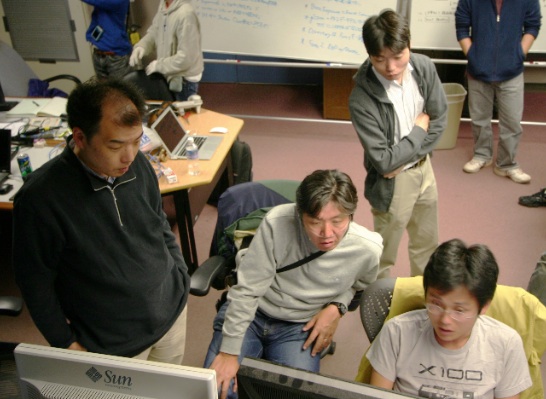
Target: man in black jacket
94,256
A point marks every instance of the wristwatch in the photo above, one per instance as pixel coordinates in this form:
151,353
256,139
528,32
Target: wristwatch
340,307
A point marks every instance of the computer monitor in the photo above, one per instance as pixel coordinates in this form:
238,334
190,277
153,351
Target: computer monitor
46,372
260,379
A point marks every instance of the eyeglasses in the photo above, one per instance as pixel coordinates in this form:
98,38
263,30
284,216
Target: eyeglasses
456,315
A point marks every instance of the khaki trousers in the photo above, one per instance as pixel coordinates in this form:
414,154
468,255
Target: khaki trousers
414,208
170,348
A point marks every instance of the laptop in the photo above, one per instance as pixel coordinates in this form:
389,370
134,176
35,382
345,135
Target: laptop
5,105
5,154
174,137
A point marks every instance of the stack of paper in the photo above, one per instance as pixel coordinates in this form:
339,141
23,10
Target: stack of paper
55,106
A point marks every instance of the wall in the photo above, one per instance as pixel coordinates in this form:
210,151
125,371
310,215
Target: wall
83,68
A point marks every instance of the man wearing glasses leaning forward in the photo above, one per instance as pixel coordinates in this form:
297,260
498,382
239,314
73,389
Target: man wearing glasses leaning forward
451,347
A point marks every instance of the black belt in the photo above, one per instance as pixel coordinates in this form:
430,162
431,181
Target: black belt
417,164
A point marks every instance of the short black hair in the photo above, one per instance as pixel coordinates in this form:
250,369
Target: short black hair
84,107
387,30
323,186
455,264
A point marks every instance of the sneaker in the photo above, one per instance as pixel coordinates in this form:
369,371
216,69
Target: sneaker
535,200
517,175
474,165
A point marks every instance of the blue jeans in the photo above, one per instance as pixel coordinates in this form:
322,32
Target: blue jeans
270,339
113,66
188,88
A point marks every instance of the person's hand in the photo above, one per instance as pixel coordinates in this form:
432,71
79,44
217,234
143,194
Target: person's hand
76,346
392,175
323,327
422,121
226,367
151,68
136,56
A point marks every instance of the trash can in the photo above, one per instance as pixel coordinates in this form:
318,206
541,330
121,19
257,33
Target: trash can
455,94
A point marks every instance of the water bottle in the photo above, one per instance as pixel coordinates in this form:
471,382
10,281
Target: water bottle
192,154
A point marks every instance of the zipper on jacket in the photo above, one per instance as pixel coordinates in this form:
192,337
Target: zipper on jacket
116,204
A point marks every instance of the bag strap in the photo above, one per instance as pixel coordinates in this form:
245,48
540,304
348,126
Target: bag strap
300,262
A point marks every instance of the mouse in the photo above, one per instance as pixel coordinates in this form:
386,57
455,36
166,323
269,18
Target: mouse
219,129
5,188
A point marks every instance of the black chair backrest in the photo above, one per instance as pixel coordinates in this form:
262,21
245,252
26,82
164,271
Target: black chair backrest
153,87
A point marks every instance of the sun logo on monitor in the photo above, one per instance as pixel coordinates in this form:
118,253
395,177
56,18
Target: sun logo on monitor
93,374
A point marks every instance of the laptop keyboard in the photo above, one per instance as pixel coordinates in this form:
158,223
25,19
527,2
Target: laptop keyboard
198,140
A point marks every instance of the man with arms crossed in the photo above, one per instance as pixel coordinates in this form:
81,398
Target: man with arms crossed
399,110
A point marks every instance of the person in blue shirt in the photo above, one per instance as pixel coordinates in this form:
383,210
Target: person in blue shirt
108,35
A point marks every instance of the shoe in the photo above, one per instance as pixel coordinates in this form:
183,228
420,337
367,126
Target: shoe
535,200
474,165
517,175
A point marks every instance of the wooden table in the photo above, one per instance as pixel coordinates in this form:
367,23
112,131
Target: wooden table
191,193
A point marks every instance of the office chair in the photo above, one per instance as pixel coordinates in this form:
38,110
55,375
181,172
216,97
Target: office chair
15,73
154,87
513,306
235,203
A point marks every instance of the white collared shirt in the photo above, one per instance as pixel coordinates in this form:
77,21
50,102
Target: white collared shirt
407,100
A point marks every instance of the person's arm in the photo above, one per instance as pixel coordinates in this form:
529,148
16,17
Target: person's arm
37,244
378,380
254,276
511,397
372,128
465,44
435,108
527,41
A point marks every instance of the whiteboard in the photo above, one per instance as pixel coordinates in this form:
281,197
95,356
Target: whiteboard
432,24
319,30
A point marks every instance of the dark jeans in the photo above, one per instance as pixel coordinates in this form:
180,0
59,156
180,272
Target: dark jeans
270,339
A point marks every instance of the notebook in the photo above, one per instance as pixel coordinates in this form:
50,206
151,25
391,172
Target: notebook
5,154
174,136
55,106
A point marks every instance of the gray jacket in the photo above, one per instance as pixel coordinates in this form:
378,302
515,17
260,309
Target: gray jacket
374,119
175,36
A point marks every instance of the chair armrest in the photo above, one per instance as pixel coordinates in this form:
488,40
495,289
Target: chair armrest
204,275
10,305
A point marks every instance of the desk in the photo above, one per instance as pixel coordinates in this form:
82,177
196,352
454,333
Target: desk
190,193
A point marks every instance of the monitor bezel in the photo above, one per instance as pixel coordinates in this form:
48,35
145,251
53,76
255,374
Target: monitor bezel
38,365
284,381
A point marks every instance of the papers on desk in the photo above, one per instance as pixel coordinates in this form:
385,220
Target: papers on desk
55,106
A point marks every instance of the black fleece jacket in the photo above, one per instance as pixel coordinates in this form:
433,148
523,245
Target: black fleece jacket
99,255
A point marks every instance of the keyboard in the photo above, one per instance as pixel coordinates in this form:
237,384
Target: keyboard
198,140
8,105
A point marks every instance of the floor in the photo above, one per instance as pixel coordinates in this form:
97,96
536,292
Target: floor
289,139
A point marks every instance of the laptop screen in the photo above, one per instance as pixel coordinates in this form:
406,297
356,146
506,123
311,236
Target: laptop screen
5,150
169,128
